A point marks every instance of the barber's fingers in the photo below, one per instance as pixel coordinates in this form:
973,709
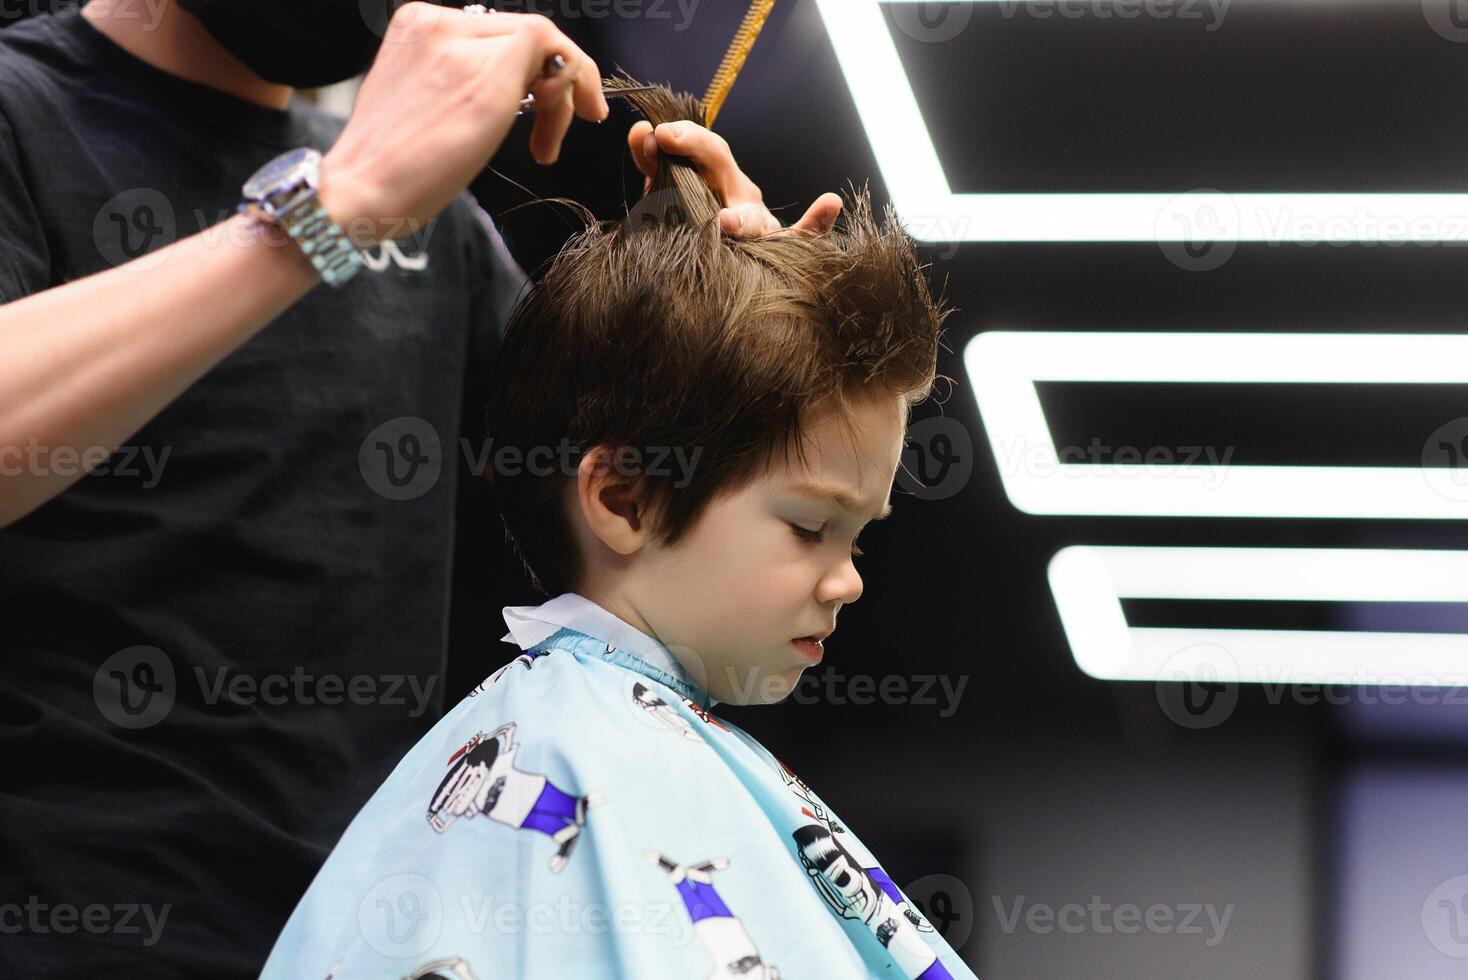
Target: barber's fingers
534,41
748,221
580,75
820,217
557,107
705,149
644,148
744,213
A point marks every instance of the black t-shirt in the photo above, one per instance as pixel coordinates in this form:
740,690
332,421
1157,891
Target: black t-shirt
215,647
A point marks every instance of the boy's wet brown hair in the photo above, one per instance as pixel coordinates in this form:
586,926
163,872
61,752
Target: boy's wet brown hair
659,331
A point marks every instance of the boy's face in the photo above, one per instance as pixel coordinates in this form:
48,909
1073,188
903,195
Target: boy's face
772,562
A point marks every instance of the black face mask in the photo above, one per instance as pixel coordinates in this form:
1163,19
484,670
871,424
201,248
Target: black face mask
304,43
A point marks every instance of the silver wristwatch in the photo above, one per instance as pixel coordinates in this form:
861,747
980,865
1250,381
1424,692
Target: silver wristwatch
284,192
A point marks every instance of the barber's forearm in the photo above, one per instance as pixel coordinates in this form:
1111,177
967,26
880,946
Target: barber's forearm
89,363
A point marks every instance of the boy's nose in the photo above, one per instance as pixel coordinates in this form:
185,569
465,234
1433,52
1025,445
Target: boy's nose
841,586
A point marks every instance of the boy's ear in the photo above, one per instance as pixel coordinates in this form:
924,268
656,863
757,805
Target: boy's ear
606,501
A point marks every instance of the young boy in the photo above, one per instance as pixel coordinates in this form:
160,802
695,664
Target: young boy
688,434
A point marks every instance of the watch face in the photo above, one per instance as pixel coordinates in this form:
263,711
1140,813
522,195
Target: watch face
285,171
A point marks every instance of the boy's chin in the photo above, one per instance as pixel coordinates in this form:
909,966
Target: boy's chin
771,688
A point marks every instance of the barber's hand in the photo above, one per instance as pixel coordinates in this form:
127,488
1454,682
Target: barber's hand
436,105
744,212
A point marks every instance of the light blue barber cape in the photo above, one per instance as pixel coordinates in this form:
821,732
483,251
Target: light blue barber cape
582,814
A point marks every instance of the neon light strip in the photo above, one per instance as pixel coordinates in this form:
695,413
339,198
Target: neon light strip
1089,582
1003,367
933,213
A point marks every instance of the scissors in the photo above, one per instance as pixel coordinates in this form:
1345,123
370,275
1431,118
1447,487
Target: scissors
553,66
528,104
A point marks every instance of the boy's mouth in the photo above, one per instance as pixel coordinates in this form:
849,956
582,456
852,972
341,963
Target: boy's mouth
810,647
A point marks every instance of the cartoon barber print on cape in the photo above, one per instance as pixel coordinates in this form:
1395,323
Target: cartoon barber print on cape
452,968
857,888
483,779
856,893
728,943
649,704
523,660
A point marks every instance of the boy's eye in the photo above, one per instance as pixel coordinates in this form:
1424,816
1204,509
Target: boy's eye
806,534
814,537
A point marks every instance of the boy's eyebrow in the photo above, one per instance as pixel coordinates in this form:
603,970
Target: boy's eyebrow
841,498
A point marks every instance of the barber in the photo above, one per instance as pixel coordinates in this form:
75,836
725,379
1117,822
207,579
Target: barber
229,439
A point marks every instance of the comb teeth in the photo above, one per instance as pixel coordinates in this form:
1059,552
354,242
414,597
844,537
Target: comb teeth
744,38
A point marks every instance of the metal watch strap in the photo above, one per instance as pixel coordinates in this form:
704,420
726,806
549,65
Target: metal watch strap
323,241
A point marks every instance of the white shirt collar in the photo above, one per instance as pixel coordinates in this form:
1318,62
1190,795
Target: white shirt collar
531,625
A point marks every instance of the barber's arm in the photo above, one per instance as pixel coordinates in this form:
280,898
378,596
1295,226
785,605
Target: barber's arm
90,362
